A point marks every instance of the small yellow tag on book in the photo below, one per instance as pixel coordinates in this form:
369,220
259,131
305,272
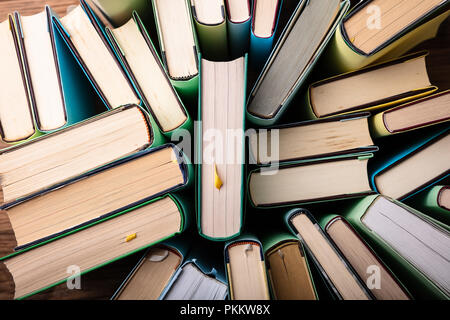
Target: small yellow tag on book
217,182
130,237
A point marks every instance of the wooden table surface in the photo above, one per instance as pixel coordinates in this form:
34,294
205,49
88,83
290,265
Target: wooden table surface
101,283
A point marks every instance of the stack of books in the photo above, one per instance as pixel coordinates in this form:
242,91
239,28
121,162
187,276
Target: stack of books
324,177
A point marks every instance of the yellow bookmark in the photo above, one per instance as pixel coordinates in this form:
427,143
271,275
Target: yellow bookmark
217,182
130,237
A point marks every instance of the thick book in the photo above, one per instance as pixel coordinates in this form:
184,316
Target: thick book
95,245
154,271
178,43
412,244
39,164
221,174
136,53
434,202
34,84
246,270
239,19
339,276
431,110
312,139
210,19
310,181
287,267
98,193
297,51
378,277
119,12
381,29
372,88
90,48
263,28
423,164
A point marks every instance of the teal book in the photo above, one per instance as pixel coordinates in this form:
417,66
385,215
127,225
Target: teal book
101,192
341,280
239,19
413,245
220,199
94,245
288,269
179,45
155,270
294,56
413,167
210,21
378,278
245,269
307,181
434,202
263,29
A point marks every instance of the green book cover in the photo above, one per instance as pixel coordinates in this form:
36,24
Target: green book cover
429,202
420,286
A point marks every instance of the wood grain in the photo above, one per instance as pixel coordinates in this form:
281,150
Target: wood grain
29,7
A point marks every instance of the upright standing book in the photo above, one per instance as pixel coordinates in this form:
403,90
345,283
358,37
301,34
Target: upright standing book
434,202
239,15
295,54
211,24
220,176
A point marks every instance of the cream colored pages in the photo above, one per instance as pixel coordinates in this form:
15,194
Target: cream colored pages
46,265
312,140
334,267
43,72
95,196
150,76
247,272
15,115
177,38
416,171
264,17
369,87
222,133
100,62
57,158
444,198
417,114
382,20
310,182
209,11
238,10
152,276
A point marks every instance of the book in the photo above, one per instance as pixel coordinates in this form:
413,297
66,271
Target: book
368,33
293,57
288,269
138,56
154,271
95,245
413,245
311,139
245,269
90,48
97,193
211,24
263,28
422,165
434,202
372,88
220,176
119,12
36,165
417,114
310,181
178,43
239,18
379,279
338,274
